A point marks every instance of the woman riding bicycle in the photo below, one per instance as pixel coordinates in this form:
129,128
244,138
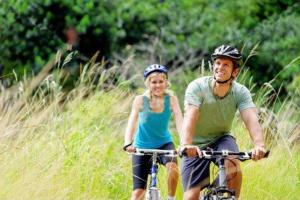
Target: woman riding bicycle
148,125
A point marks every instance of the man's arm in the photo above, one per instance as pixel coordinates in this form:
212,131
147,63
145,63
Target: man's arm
191,116
250,118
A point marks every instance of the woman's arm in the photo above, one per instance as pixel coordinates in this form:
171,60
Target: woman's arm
132,120
177,114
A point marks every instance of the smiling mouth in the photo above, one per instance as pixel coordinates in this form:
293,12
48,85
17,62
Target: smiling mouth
220,73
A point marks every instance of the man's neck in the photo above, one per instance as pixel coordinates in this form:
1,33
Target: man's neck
221,89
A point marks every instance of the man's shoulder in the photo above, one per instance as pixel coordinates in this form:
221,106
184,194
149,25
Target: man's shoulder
238,87
199,84
241,91
201,81
243,96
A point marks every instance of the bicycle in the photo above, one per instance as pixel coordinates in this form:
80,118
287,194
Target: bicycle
218,190
153,192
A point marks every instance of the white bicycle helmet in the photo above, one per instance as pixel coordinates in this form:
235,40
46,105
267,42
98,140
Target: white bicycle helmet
227,51
155,68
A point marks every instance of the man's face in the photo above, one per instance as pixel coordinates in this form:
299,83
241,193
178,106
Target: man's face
223,69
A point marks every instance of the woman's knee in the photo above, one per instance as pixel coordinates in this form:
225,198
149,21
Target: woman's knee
172,168
137,194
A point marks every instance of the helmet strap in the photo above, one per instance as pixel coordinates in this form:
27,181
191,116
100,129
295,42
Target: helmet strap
226,81
223,82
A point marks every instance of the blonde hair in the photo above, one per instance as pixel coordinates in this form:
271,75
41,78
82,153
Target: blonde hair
147,93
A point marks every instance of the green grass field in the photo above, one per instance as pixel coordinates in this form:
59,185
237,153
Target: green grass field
50,150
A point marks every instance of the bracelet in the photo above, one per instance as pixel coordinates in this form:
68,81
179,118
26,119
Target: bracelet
127,145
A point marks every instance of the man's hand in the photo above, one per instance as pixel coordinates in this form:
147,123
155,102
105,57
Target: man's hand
258,152
190,150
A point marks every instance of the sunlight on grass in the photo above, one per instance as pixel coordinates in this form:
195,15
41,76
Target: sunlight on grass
58,146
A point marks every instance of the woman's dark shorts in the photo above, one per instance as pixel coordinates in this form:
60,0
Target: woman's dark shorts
141,166
195,170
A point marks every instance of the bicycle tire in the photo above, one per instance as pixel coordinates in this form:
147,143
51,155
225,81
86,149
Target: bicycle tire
215,197
153,194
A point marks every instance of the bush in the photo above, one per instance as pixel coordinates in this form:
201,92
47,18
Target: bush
31,31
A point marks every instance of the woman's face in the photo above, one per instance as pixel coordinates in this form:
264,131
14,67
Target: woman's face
158,84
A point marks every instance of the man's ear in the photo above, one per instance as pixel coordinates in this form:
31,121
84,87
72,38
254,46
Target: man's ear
235,72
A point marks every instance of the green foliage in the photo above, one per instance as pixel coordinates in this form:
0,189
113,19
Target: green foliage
294,89
279,47
31,31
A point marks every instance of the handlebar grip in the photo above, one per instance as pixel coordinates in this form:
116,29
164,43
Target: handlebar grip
182,152
125,146
267,154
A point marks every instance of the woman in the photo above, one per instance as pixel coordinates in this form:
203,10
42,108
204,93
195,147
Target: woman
148,125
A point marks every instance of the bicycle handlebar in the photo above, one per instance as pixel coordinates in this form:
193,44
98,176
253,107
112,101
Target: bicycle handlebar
225,153
208,154
172,153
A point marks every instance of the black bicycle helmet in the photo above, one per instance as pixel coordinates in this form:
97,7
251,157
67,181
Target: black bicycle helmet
227,51
155,68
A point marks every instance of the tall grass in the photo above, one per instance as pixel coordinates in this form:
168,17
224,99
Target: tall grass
69,146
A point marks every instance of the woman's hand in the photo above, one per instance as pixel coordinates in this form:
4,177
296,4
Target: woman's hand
129,148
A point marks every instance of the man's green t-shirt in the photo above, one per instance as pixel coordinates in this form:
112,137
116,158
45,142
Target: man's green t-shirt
216,114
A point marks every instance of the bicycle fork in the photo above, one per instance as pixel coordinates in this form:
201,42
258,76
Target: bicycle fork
153,192
222,174
222,182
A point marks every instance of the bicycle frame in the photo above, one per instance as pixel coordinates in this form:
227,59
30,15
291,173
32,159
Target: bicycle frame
153,192
220,191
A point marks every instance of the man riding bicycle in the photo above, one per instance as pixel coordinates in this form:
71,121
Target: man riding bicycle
210,106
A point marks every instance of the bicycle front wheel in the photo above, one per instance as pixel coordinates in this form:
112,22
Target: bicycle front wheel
216,197
153,194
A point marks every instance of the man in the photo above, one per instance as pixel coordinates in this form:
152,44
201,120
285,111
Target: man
210,107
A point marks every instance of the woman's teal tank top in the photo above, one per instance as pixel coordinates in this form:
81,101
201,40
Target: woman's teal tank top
152,131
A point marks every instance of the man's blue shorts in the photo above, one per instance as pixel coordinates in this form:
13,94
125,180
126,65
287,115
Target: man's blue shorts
141,166
195,170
